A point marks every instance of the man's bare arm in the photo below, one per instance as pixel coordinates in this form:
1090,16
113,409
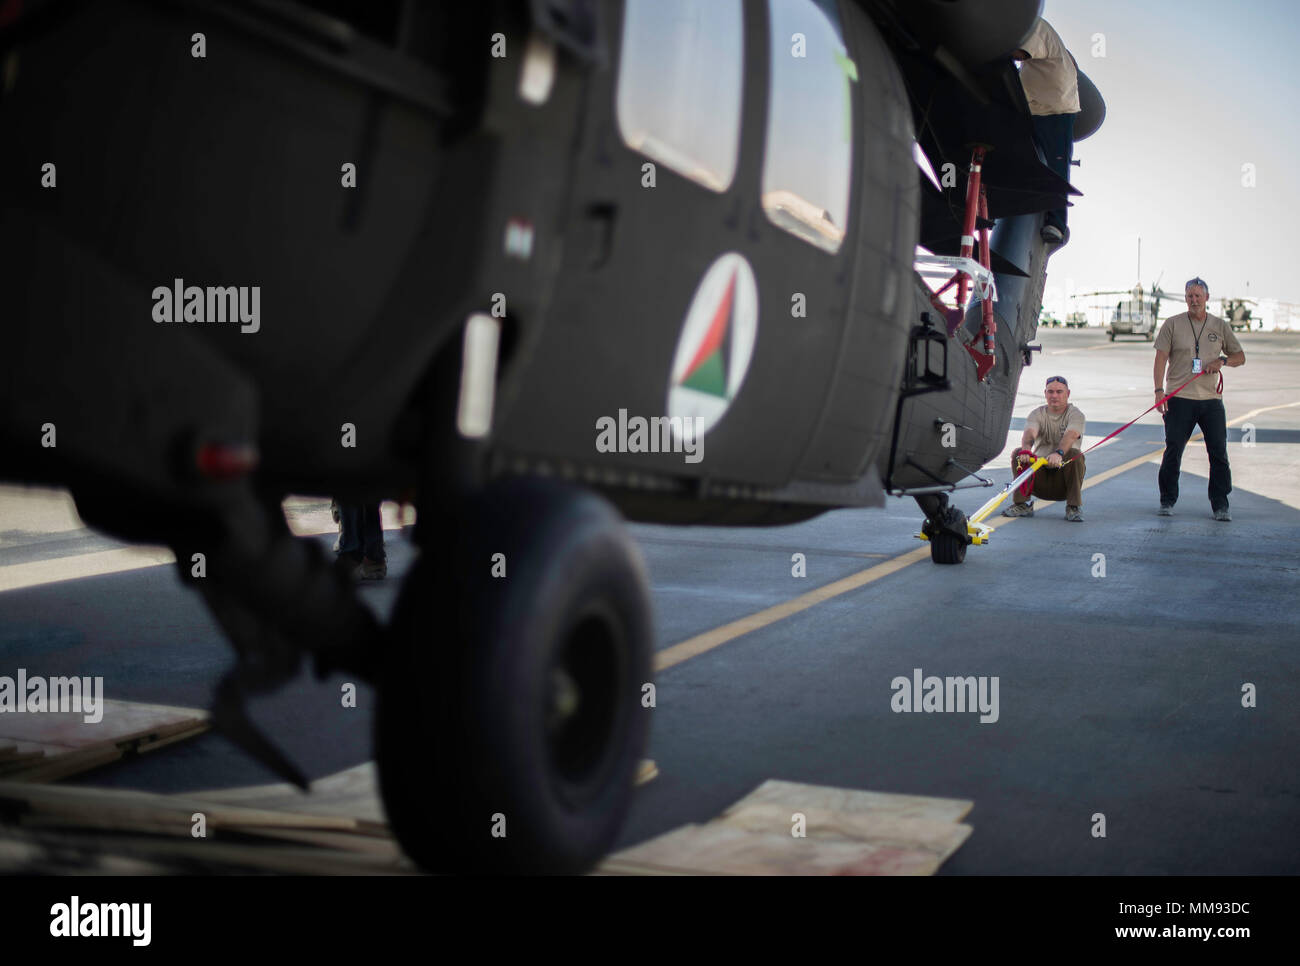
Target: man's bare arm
1068,439
1162,363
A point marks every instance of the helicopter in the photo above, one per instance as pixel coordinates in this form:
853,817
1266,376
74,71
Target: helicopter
1236,314
1139,314
517,263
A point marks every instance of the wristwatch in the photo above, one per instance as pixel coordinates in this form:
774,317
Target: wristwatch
1059,453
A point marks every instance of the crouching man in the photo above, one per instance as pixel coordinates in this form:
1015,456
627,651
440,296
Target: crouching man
1053,431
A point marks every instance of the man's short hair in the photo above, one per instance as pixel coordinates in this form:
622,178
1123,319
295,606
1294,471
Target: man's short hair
1060,379
1197,281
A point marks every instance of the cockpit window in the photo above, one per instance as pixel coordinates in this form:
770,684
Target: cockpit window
809,153
679,85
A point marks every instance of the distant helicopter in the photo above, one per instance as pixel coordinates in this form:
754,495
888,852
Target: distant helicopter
1235,313
536,267
1139,314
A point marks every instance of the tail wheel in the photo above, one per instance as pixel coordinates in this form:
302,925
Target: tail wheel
510,723
945,546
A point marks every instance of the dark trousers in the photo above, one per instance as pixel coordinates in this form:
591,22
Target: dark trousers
1065,483
1055,136
1183,416
360,529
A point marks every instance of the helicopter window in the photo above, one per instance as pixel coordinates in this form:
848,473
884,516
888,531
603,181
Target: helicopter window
679,85
809,154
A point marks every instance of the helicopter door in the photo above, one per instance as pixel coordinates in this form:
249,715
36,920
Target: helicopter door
705,271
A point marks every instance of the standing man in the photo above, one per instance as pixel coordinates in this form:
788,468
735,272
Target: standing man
360,546
1050,78
1189,344
1053,431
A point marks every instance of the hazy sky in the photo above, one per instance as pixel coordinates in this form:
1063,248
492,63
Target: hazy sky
1194,89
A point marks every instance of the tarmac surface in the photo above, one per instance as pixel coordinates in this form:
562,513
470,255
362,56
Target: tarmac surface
1121,647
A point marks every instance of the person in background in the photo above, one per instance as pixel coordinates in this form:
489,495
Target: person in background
360,546
1191,343
1050,78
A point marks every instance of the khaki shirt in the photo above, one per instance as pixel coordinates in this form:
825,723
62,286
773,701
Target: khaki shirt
1177,336
1050,77
1050,427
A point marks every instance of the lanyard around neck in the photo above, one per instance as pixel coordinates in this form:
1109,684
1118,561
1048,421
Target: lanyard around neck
1197,336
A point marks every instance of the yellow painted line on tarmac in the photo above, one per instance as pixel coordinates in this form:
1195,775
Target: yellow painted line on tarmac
18,576
707,641
1265,409
702,643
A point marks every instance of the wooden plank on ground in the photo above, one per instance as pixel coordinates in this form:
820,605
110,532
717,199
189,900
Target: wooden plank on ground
353,793
845,832
112,808
941,839
721,849
799,798
90,854
69,744
19,754
339,829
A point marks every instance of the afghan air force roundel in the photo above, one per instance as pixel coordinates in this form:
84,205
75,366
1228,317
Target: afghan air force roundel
716,344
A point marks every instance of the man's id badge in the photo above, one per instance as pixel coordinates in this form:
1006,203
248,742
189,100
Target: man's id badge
1196,367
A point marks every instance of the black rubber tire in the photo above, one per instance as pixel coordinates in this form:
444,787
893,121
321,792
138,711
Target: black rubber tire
945,548
462,732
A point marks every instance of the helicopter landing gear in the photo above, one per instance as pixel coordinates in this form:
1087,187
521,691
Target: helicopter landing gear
949,540
945,527
510,723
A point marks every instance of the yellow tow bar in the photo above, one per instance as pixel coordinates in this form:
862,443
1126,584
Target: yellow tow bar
979,533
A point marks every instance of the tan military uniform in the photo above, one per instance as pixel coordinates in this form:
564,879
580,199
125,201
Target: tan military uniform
1050,77
1178,337
1050,427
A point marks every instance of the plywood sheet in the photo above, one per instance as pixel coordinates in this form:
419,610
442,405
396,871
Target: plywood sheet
722,849
48,745
800,797
844,832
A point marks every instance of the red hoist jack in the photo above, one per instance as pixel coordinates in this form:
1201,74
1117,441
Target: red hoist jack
970,275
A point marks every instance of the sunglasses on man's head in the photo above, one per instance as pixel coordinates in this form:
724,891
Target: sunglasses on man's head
1197,281
1060,379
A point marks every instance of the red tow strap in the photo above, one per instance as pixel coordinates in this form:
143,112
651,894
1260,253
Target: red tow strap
1026,489
1158,403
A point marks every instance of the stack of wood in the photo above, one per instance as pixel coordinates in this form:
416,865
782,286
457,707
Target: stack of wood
338,827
